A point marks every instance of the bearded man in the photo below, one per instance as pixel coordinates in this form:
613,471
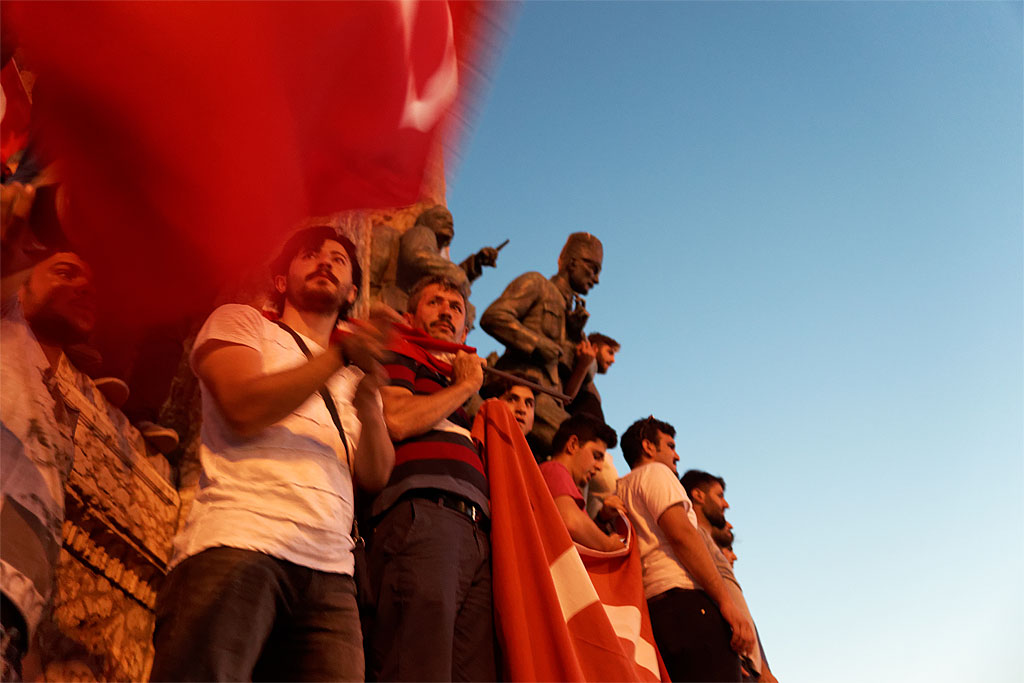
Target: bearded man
53,309
261,585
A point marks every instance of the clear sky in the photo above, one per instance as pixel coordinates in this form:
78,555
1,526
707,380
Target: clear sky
812,220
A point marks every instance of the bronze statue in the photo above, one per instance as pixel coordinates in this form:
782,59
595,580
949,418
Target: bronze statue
540,321
418,253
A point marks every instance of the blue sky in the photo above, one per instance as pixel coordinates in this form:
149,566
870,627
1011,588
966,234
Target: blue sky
812,218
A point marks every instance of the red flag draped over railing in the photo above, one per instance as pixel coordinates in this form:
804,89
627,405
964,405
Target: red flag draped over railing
560,617
196,134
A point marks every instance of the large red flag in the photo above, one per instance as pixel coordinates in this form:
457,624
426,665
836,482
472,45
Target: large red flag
196,134
560,616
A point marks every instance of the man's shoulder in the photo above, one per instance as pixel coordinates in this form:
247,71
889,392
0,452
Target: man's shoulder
652,474
229,312
234,324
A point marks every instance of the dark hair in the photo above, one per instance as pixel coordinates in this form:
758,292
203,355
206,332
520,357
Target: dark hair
585,428
446,283
723,538
312,239
501,386
598,338
697,479
640,431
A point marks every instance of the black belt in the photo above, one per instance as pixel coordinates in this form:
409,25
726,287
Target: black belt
467,508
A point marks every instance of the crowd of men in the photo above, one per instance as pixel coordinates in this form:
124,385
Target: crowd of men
304,412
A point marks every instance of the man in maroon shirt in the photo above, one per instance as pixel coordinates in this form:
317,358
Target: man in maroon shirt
580,446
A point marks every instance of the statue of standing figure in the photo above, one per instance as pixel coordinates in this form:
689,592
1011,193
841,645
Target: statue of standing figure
540,321
419,253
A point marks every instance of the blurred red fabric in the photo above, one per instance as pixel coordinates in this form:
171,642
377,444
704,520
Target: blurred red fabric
196,135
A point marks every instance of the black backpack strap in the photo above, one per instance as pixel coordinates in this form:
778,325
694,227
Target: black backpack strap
333,410
324,393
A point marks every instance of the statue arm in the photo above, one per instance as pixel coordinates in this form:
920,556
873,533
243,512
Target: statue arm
472,267
474,263
503,318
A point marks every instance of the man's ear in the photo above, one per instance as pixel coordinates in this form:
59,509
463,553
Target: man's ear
280,283
408,316
697,496
352,295
648,447
572,445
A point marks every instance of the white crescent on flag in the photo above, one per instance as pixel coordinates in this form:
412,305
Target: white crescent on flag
431,85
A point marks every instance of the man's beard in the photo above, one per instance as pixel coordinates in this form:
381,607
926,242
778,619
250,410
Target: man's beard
316,300
716,518
53,328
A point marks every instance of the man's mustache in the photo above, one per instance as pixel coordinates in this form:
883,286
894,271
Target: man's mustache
323,272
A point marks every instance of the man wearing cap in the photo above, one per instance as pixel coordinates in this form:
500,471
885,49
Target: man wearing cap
540,321
261,585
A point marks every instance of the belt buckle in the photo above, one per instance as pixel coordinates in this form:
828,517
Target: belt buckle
471,512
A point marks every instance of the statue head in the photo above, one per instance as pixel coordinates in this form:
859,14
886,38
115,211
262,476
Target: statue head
580,261
440,221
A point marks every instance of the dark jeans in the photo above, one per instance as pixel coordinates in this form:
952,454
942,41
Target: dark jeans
232,615
692,637
435,619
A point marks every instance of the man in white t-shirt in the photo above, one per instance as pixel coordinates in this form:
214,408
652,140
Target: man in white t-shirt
261,586
692,613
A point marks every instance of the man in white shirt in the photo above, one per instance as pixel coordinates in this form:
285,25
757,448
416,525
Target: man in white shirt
691,610
261,586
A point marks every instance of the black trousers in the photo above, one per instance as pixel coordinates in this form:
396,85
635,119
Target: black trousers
234,615
692,637
435,619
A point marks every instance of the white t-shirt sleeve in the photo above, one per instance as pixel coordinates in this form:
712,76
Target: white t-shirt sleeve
232,323
660,490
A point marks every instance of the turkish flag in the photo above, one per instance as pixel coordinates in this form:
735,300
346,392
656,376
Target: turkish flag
16,108
196,135
564,613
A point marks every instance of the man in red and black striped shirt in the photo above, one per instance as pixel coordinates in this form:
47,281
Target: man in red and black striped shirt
431,549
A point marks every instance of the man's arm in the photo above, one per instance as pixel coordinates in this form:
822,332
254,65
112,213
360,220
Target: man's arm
503,318
689,548
585,355
375,455
251,400
582,529
407,414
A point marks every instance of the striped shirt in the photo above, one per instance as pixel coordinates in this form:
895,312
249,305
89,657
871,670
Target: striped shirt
444,457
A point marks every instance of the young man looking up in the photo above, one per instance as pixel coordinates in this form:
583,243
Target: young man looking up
580,444
520,398
691,610
431,550
262,582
